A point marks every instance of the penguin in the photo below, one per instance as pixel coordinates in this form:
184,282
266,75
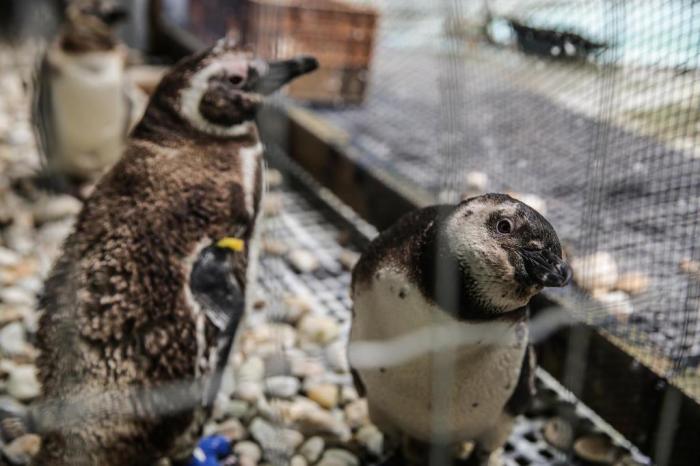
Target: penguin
451,283
140,310
83,105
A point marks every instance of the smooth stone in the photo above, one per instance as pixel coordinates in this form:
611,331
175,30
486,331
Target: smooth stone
54,208
296,306
298,460
532,200
273,204
239,409
559,433
597,448
371,438
596,271
12,407
338,457
348,394
12,338
336,356
274,438
325,395
282,386
273,177
22,449
319,329
17,296
303,261
232,429
616,303
312,449
274,247
249,391
248,449
633,283
252,370
22,383
8,257
357,413
348,258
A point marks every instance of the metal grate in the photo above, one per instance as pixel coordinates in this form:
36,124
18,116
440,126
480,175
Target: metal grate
302,221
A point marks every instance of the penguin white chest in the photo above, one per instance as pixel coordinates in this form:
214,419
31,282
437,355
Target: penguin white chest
90,110
482,362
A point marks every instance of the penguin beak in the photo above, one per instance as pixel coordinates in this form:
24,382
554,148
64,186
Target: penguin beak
546,268
279,73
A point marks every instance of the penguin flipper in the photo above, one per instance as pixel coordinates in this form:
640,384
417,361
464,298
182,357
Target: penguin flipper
42,109
525,390
221,297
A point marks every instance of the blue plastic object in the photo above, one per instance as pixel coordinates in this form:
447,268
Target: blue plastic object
209,450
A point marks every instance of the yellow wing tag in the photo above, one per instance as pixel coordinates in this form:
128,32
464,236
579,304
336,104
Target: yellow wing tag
229,242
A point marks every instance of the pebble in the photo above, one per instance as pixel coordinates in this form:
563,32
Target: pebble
272,204
303,261
595,272
17,296
317,421
532,200
22,383
325,395
8,257
22,449
12,338
232,429
248,449
54,208
357,414
295,307
249,391
336,356
319,329
559,433
348,394
312,449
616,303
596,448
274,247
348,258
298,460
271,437
282,386
476,182
371,438
252,370
633,283
273,178
338,457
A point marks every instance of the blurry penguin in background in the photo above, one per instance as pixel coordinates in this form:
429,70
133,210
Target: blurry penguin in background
83,106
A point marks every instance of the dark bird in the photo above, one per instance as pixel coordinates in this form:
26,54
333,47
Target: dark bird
554,44
452,283
140,310
83,104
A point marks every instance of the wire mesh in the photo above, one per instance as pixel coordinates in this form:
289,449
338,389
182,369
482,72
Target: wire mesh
585,110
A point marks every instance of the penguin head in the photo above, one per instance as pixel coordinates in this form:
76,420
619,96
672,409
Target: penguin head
508,250
219,91
89,25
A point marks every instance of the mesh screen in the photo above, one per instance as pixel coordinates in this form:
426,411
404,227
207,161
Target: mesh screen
586,110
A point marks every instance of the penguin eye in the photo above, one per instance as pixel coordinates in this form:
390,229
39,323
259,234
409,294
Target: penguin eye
504,226
236,79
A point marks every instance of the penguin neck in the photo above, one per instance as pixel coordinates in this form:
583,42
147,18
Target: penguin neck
164,126
451,287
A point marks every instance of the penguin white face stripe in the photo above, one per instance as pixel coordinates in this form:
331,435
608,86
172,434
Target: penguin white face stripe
192,96
250,161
